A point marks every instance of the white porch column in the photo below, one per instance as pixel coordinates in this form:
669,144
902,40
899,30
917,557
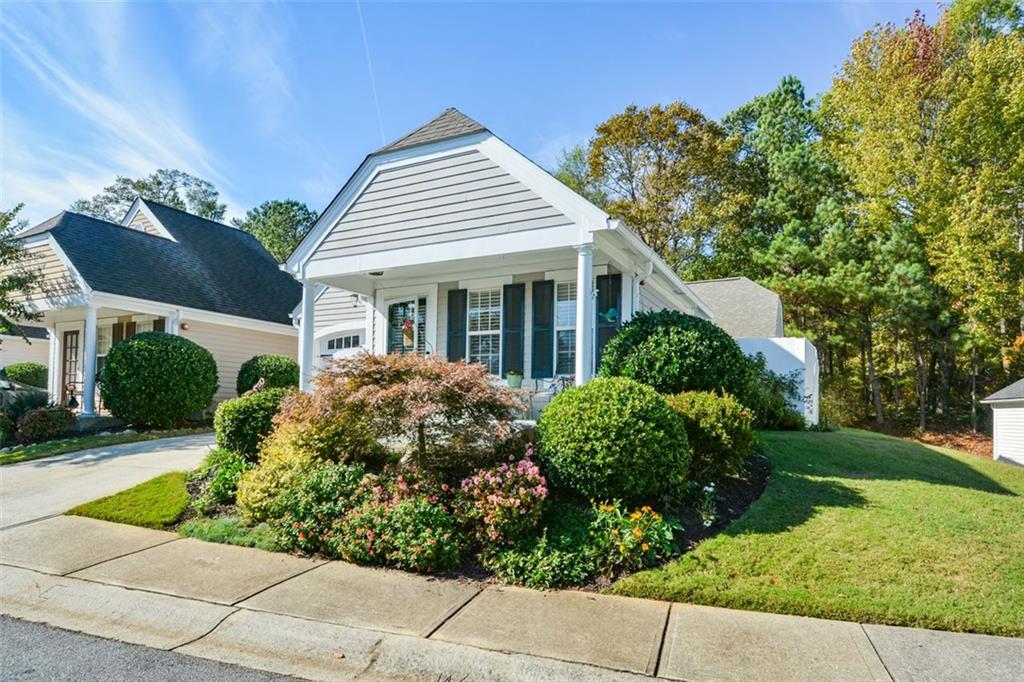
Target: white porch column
584,312
54,366
306,330
174,323
89,366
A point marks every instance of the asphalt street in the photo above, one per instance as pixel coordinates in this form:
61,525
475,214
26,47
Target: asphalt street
29,651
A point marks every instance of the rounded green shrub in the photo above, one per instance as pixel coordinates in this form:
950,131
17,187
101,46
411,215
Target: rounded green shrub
720,431
614,438
157,380
673,352
280,371
242,423
29,373
44,423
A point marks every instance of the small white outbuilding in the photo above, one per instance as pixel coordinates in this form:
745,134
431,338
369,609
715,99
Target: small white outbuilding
1008,422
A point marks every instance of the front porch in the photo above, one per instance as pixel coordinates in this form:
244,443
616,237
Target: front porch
82,335
543,314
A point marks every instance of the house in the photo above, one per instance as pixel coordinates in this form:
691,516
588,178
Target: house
1008,422
752,314
450,242
158,269
742,307
25,344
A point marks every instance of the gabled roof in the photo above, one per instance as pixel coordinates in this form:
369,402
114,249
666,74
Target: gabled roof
448,124
742,307
208,266
1014,391
27,331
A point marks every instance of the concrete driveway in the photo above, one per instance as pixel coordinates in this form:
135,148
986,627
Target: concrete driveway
47,487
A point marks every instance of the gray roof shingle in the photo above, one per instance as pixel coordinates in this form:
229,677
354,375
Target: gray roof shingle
741,307
448,124
1014,391
210,267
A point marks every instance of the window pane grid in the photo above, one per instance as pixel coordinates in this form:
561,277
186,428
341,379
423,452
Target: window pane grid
565,328
484,325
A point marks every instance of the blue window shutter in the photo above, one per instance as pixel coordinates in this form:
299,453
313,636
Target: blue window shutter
513,327
609,311
456,325
543,363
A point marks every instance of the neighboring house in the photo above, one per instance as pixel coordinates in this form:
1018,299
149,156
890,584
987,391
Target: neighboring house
159,269
33,347
460,246
1008,422
752,314
741,306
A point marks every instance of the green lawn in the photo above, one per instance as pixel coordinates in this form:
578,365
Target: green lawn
157,503
859,526
66,445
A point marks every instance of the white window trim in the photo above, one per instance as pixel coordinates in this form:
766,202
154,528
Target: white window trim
384,297
558,328
501,323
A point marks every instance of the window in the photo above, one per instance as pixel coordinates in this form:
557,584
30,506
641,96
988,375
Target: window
484,328
407,327
565,328
143,326
343,342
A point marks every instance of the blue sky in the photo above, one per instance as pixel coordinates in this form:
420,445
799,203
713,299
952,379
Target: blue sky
275,100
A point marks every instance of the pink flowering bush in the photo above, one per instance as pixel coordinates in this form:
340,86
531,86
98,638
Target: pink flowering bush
412,534
504,503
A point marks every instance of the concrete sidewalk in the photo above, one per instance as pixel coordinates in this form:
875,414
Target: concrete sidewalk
46,487
332,620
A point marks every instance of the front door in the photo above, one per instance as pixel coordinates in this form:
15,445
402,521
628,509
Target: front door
69,383
407,326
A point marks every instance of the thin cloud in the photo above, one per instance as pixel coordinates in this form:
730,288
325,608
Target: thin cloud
250,41
125,126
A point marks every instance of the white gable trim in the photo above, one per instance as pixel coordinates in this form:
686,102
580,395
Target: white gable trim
140,205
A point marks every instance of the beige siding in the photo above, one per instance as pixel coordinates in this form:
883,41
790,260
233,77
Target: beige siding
336,306
143,223
57,283
15,349
231,346
460,196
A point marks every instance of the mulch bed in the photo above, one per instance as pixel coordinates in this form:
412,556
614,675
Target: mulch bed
735,495
965,440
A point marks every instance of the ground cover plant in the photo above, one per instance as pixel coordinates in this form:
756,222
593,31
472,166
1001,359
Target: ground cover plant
861,526
157,503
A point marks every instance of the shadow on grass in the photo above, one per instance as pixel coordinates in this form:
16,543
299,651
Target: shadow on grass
790,501
862,455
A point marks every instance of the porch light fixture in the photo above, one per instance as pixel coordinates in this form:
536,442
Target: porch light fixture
376,273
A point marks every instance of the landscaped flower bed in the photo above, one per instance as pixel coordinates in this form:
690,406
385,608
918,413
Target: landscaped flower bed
417,463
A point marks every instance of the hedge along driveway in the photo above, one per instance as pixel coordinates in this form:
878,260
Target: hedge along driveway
860,526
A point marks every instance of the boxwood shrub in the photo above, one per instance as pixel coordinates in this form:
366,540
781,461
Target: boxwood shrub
157,380
614,438
29,373
280,371
720,431
242,423
673,352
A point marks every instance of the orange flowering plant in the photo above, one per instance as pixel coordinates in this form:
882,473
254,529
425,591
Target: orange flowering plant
628,541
